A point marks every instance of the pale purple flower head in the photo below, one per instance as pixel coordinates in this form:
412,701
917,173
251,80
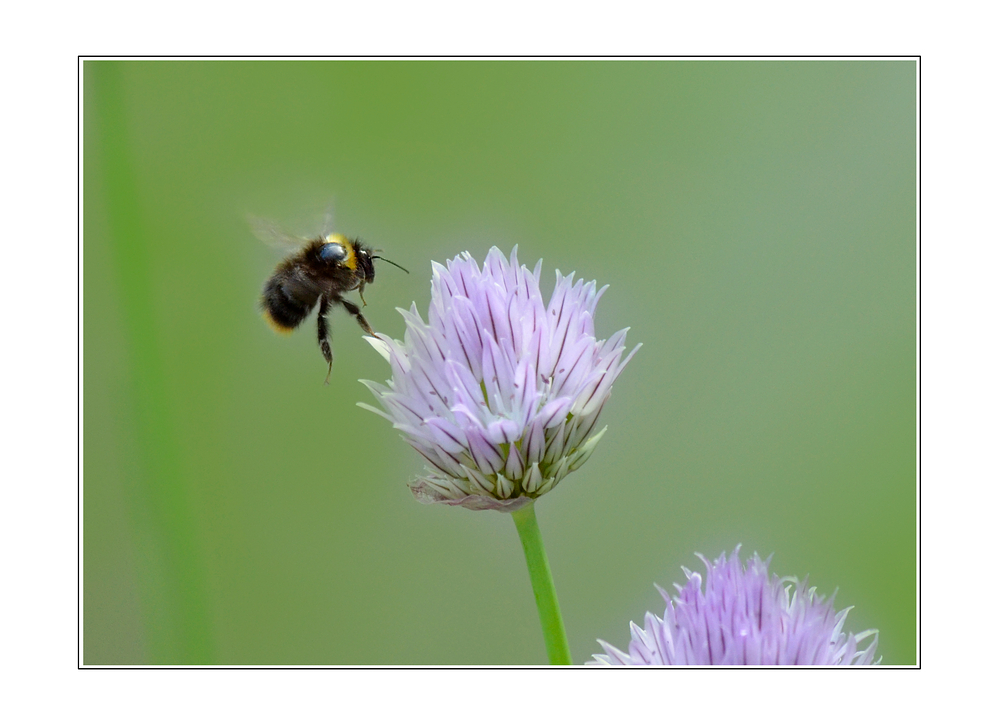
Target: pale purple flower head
743,617
498,391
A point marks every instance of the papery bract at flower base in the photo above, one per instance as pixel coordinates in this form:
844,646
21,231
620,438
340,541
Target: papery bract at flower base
497,390
743,617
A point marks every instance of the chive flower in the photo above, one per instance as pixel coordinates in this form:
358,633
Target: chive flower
498,391
743,617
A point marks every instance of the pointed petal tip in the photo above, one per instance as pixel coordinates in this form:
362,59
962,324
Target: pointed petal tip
374,410
380,346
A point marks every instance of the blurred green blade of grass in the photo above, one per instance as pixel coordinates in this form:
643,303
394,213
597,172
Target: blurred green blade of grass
176,622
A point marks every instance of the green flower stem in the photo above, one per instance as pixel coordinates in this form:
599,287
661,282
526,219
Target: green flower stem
541,582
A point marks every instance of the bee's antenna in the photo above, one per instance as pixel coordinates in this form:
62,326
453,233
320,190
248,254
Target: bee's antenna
379,257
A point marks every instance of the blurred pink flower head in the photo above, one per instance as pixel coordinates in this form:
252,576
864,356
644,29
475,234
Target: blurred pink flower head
743,617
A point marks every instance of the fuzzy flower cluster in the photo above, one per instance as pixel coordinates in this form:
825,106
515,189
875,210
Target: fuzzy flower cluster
743,617
498,391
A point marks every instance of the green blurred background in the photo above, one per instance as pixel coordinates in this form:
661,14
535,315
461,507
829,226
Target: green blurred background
756,222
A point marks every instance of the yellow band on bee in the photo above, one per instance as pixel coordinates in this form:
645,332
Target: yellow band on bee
350,262
274,324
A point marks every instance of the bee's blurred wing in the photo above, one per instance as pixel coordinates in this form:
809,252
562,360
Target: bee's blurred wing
328,227
274,236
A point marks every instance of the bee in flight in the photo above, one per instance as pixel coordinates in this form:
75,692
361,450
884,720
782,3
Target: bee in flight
322,270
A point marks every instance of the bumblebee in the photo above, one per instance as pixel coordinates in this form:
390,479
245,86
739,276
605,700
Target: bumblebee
322,271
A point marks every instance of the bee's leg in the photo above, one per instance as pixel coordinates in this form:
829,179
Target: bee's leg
356,312
324,335
361,292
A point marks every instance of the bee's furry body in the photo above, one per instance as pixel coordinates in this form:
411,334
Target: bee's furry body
322,271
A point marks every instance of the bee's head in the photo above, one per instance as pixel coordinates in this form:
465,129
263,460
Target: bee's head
340,251
366,265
